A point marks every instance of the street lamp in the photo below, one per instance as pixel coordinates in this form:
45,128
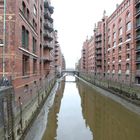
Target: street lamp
4,81
4,39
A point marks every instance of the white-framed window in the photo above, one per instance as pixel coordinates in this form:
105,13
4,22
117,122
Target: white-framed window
35,11
128,26
120,31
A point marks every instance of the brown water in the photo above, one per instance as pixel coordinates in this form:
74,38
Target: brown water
79,112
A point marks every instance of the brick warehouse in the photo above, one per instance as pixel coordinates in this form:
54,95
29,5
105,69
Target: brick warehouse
29,48
117,39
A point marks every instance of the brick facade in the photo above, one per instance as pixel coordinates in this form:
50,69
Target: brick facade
116,45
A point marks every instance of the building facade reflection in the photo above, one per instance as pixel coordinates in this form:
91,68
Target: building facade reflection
51,128
107,119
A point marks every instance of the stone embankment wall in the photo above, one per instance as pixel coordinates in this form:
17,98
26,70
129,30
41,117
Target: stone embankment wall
15,121
129,92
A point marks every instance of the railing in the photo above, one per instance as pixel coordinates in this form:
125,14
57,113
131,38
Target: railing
126,90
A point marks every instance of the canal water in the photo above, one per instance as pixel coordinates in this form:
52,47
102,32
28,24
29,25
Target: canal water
78,112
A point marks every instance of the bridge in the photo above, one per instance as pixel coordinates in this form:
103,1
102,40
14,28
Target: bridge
70,71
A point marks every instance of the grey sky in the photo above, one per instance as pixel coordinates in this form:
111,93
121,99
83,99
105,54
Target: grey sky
74,20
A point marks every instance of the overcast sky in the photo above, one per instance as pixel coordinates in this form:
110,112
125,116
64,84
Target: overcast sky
74,20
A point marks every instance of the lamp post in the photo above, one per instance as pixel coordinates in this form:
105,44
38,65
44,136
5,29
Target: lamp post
4,81
4,39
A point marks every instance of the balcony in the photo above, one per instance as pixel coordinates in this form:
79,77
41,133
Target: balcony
56,55
47,46
47,36
137,2
46,59
137,26
48,27
99,63
98,58
138,60
48,16
98,35
50,8
98,40
56,45
137,72
46,4
98,52
137,48
138,38
98,47
137,13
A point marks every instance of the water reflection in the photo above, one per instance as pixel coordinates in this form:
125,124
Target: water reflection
65,121
52,125
107,119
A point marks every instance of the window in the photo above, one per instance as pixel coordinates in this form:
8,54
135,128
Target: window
127,46
138,66
120,31
25,38
23,8
138,21
137,8
35,11
113,51
114,44
138,33
119,66
113,58
113,26
120,48
108,38
138,45
34,45
128,26
25,65
120,40
114,35
127,66
127,15
113,67
138,56
120,58
34,24
108,67
34,66
120,21
128,36
128,56
28,14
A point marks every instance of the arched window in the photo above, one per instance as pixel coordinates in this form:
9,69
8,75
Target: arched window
23,7
127,15
127,66
120,21
113,26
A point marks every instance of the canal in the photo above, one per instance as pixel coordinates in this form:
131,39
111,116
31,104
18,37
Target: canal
76,111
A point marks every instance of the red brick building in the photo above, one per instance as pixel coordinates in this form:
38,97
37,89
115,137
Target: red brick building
121,55
116,43
59,58
29,45
91,55
100,44
84,57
